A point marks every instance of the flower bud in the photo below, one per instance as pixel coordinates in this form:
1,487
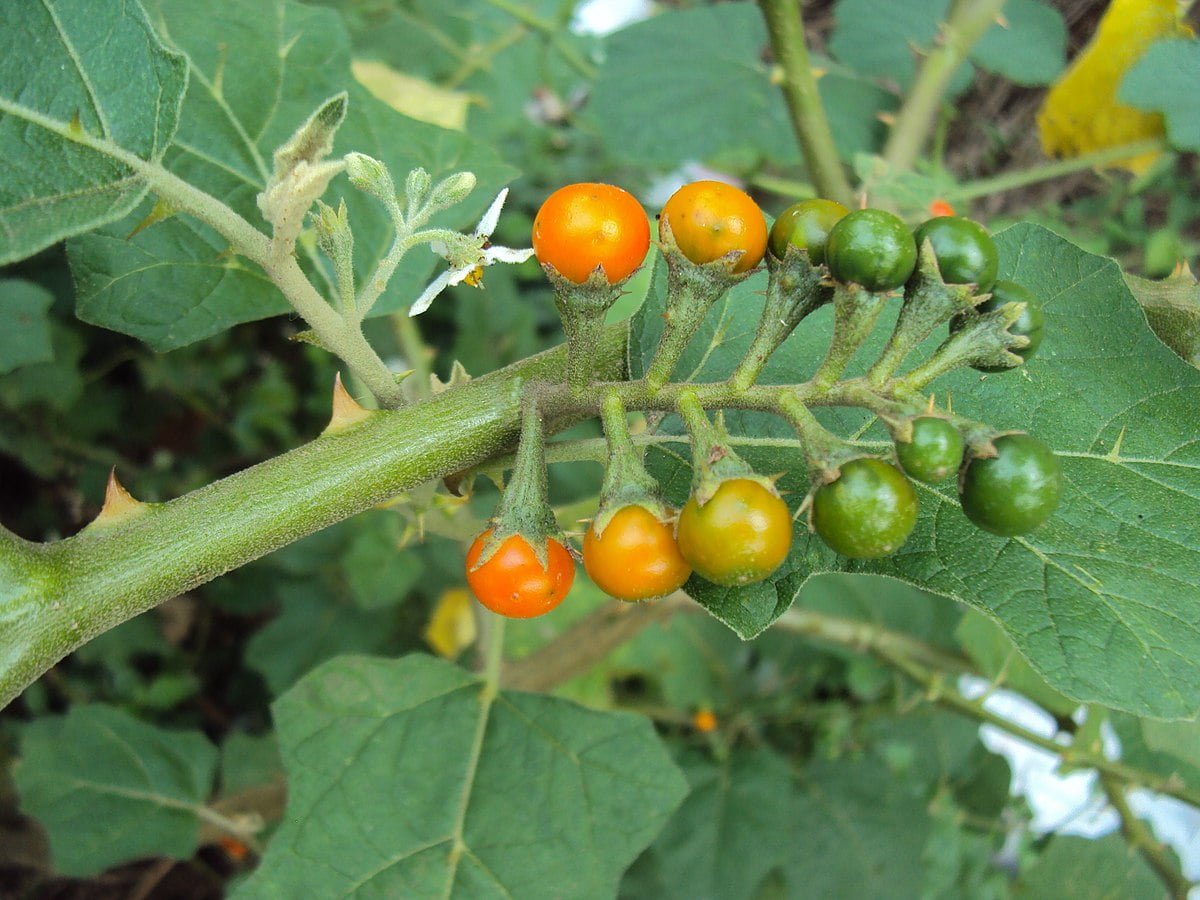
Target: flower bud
452,189
416,187
370,176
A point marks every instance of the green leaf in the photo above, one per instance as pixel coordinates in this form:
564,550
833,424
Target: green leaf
407,778
379,571
1104,869
258,70
1101,599
852,827
736,825
1172,308
1030,48
1164,80
312,627
87,94
990,649
662,94
24,327
108,788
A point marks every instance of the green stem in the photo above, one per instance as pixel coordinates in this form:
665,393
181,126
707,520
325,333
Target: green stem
1008,181
967,23
493,657
867,637
785,25
1138,836
794,290
57,596
335,334
855,313
939,691
823,449
785,187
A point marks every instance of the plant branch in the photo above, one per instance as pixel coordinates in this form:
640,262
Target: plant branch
333,332
785,25
867,637
939,691
915,121
1008,181
58,596
1138,836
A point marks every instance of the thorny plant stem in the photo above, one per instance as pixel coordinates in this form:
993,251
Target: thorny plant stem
785,25
1138,836
917,116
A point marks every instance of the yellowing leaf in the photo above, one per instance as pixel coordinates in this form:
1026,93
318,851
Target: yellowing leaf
415,97
1081,113
451,628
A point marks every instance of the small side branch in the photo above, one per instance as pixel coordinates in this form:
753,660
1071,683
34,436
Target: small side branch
785,25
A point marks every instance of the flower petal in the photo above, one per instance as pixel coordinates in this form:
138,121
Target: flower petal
488,223
505,255
440,248
430,293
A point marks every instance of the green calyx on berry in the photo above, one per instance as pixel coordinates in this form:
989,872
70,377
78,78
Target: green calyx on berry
525,507
1030,324
713,458
626,481
1014,491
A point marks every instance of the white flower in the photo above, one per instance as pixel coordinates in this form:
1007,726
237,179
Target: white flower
468,260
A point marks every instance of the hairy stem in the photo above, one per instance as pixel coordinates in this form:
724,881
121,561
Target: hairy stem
915,121
785,25
1008,181
332,330
57,596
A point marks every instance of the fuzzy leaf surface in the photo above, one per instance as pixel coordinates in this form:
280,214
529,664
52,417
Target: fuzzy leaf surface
257,70
109,788
405,779
87,92
1102,599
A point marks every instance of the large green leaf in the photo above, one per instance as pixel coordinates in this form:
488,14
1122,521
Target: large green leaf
1164,81
24,327
408,778
1102,600
258,70
86,92
662,95
1105,869
108,788
1029,48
